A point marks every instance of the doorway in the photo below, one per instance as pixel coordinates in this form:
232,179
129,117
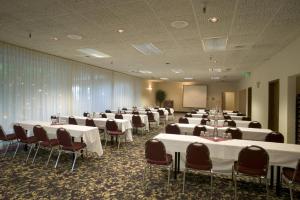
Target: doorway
249,109
273,118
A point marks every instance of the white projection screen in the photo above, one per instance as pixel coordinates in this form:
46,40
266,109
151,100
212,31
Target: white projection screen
195,96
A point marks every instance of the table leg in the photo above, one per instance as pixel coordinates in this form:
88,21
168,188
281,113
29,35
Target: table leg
278,181
82,149
178,162
272,177
175,166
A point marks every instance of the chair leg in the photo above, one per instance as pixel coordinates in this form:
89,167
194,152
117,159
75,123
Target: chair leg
49,156
119,141
169,174
267,187
144,175
235,186
291,191
211,184
35,153
6,149
57,159
183,182
31,147
16,150
105,139
75,154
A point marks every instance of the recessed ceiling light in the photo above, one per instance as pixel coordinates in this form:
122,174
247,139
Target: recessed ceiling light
215,69
167,63
214,44
147,49
54,38
177,71
93,53
163,78
120,30
188,78
215,77
145,72
74,37
213,19
179,24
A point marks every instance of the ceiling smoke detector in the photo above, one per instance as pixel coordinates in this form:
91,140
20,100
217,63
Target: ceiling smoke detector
179,24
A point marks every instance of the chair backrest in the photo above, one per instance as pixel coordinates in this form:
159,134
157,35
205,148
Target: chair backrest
40,133
227,117
206,110
183,120
169,111
86,114
103,115
135,112
254,124
155,151
194,112
124,109
64,138
150,116
235,111
205,116
72,120
108,111
198,130
246,118
240,114
118,116
111,125
2,134
173,129
236,133
161,112
198,156
253,160
274,137
204,121
229,122
136,120
188,115
20,132
90,122
148,110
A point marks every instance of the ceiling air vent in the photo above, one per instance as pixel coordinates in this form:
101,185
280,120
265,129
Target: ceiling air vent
147,49
214,44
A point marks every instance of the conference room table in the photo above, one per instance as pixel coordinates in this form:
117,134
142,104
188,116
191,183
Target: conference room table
233,117
128,117
123,124
258,134
90,135
223,153
220,122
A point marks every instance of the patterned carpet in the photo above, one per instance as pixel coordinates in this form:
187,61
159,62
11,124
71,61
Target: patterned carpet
118,174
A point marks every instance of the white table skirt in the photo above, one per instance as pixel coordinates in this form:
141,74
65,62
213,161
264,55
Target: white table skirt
90,135
224,153
128,117
123,124
258,134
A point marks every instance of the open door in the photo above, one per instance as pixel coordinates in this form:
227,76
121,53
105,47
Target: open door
273,121
249,105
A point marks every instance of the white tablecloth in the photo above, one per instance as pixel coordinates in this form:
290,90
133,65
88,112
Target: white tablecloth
224,153
123,124
128,117
90,135
258,134
239,123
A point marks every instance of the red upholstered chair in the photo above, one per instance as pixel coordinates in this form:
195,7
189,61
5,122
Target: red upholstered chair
206,110
124,109
235,133
135,112
147,110
235,111
86,114
205,116
226,117
103,115
108,111
183,120
162,116
188,115
246,118
72,120
254,124
229,123
68,146
43,141
194,112
291,176
170,114
156,156
22,138
252,161
90,122
118,116
240,114
173,129
137,123
205,121
198,159
151,118
7,138
198,130
113,130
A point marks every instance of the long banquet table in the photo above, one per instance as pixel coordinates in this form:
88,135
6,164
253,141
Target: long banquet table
258,134
123,124
90,135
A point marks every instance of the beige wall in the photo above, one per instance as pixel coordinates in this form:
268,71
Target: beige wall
298,84
148,93
283,66
241,101
174,92
229,101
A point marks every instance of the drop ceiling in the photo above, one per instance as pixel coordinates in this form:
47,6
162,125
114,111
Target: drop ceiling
255,31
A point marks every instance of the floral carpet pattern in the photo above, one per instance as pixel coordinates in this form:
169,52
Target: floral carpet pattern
118,174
